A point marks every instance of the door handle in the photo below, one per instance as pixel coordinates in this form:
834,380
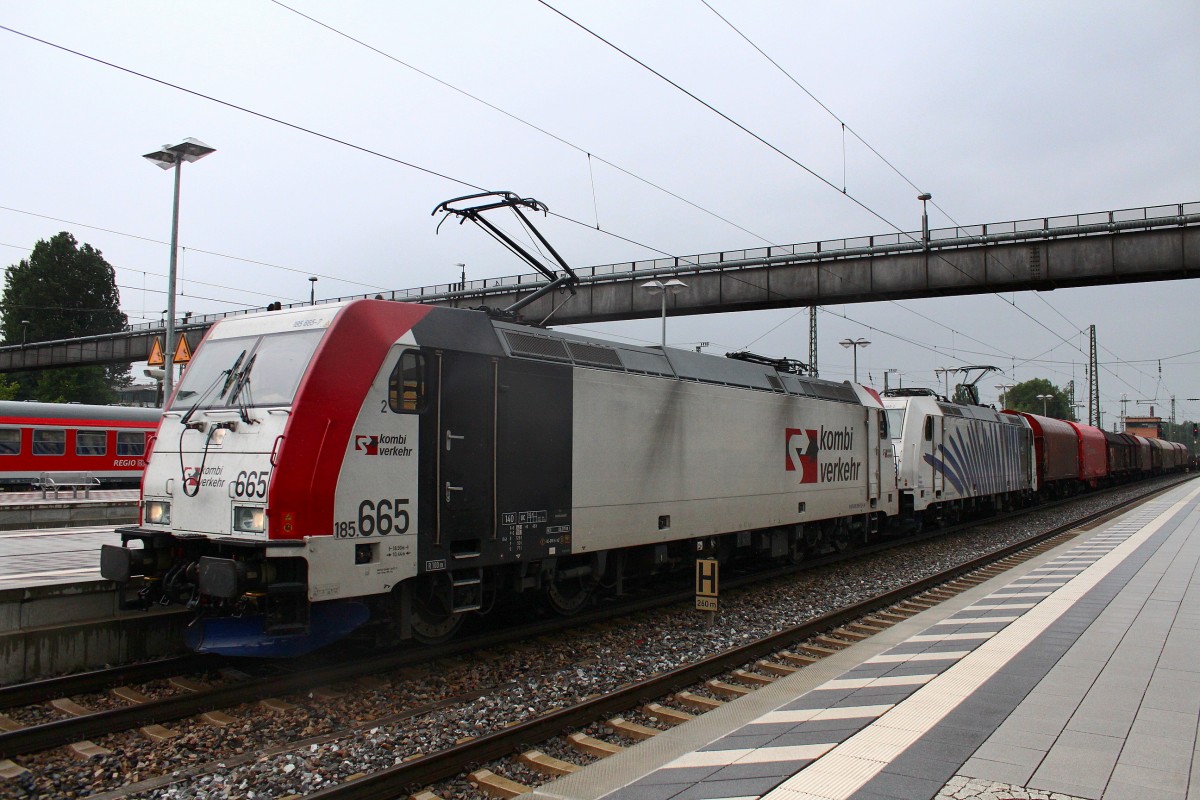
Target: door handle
450,489
450,436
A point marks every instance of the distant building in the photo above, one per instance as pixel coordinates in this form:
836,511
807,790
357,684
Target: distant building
144,395
1150,427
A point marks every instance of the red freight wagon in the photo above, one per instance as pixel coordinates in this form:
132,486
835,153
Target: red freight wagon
1122,454
1093,453
1142,462
1056,449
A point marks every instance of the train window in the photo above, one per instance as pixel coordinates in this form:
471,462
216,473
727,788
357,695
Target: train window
10,441
91,443
406,386
49,443
895,422
929,429
131,443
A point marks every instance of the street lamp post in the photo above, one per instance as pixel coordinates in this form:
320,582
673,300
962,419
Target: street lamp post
1045,398
172,157
673,286
24,328
925,197
855,343
1004,387
312,291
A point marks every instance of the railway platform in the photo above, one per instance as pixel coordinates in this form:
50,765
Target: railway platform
1076,675
57,614
27,510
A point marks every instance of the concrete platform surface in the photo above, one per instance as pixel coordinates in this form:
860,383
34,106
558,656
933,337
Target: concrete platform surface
1075,676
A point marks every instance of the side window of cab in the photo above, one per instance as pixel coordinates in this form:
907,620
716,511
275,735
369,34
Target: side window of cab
407,386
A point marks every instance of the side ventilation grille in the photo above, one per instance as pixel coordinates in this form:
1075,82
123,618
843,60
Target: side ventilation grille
592,354
525,344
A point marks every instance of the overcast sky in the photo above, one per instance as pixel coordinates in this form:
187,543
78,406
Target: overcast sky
1003,111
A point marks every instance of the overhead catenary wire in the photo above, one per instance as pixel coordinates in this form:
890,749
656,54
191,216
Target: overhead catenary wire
777,150
578,148
152,240
845,127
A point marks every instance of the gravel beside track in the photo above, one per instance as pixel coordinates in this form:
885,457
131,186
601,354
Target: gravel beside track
328,737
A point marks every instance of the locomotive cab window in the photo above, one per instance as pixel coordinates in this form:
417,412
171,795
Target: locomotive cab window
131,443
929,429
91,443
49,443
407,386
10,441
895,422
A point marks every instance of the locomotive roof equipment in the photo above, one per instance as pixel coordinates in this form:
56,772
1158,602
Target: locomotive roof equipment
564,278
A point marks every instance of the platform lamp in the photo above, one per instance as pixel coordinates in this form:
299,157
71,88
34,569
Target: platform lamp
855,343
1045,398
1004,389
172,157
24,328
925,197
673,286
312,291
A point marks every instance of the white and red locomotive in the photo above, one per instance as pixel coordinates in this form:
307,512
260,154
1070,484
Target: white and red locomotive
325,465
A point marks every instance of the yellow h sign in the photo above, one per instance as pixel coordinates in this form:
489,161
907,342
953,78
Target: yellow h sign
707,572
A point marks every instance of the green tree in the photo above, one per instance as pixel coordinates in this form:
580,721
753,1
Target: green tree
63,291
1024,397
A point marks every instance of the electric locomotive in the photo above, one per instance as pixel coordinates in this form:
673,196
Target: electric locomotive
410,465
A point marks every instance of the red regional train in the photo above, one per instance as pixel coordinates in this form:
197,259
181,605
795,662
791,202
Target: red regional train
408,465
108,443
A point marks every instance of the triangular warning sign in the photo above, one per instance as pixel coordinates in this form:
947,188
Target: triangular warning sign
156,354
183,353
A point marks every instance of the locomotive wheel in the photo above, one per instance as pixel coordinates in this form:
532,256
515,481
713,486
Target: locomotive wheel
432,621
840,537
567,597
431,628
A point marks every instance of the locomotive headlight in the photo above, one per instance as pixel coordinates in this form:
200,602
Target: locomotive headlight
158,512
249,519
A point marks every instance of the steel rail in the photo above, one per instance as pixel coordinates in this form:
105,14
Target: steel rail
19,694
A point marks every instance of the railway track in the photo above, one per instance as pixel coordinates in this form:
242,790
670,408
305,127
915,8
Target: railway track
777,654
447,762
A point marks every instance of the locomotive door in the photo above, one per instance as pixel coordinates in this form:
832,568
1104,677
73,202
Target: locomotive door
466,424
874,445
939,453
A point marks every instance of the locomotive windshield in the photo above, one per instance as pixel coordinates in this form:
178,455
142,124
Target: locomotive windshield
247,371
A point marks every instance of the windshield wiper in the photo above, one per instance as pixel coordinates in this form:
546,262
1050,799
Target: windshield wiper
241,381
229,375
